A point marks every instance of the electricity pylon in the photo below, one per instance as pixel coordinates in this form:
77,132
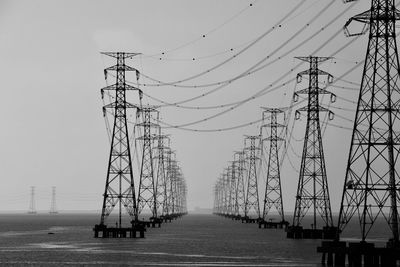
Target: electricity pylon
273,190
119,188
372,184
53,206
312,190
252,204
161,180
147,190
233,203
240,185
231,190
32,206
169,157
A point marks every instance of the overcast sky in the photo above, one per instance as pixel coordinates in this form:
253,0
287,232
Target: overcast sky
53,131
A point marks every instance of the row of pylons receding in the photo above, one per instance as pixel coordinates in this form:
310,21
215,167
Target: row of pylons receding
161,194
371,188
236,192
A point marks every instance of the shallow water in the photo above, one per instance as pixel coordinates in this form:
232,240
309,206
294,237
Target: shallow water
195,240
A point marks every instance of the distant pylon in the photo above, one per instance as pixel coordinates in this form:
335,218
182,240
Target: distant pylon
119,188
372,184
161,180
225,185
240,185
147,190
173,177
312,190
232,176
252,204
53,206
32,204
273,190
218,194
169,157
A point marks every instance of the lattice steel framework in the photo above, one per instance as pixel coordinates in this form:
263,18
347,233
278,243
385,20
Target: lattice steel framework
161,181
168,158
273,190
233,188
230,176
240,206
119,188
173,178
147,190
312,190
53,205
372,183
252,204
32,204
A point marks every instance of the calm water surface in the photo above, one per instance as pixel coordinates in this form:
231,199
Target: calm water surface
199,240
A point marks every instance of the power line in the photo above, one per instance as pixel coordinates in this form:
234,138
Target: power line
238,53
258,94
177,104
254,68
205,34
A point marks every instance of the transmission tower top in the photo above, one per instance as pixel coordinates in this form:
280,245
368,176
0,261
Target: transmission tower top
378,12
318,59
120,54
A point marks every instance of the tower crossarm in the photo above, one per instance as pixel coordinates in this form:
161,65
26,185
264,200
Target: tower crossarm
126,105
317,59
320,91
312,72
376,13
125,67
114,87
120,54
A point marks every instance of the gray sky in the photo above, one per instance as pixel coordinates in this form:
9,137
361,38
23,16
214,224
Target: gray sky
53,130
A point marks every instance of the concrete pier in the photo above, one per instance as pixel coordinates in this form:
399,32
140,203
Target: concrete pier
358,254
103,231
298,232
273,225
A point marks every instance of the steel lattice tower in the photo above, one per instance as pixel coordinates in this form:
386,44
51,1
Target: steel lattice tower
53,206
225,193
372,183
161,182
119,188
147,190
32,206
233,186
174,176
273,190
230,173
240,208
169,154
312,190
220,195
252,204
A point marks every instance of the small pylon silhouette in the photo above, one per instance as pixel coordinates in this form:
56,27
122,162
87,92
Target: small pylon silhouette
147,190
252,204
53,206
240,186
273,190
32,204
